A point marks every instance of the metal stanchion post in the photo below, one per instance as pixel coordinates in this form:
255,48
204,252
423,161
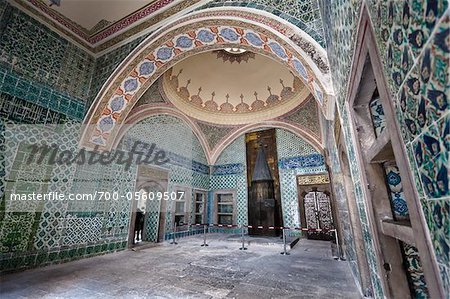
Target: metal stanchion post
337,245
284,243
173,234
204,236
243,240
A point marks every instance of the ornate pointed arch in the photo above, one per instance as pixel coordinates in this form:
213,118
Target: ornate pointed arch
145,111
296,130
199,32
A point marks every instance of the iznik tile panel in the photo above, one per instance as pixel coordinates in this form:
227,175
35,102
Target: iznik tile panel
410,37
295,157
42,55
230,173
398,202
304,14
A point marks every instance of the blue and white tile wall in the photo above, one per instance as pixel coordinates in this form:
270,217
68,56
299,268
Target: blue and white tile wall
398,202
295,157
411,40
230,172
57,231
63,231
340,196
304,14
31,50
187,167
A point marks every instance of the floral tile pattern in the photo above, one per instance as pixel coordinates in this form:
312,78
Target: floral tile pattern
414,271
398,202
41,54
423,99
410,38
230,172
304,14
402,29
378,117
432,157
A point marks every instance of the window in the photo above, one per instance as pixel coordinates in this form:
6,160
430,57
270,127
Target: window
200,206
225,208
181,207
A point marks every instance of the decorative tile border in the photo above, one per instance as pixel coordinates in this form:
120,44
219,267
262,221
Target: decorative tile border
227,169
105,33
21,87
309,161
304,14
306,42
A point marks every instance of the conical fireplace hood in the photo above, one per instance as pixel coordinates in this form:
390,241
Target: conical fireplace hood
262,170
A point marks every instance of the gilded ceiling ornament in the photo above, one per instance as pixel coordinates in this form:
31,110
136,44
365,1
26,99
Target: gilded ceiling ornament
235,57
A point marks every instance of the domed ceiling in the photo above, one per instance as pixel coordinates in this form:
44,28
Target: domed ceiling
227,88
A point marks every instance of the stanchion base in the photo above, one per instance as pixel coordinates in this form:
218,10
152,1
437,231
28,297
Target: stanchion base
243,248
285,253
204,245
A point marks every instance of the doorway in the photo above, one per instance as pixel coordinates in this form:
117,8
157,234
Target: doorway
315,208
148,217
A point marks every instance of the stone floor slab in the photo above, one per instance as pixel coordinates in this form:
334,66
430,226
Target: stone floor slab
187,270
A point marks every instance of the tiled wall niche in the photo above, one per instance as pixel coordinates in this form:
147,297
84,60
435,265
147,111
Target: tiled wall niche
295,157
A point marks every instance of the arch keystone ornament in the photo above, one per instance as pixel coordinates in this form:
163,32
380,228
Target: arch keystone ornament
175,42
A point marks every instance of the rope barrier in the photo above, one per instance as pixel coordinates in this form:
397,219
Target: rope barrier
206,227
325,230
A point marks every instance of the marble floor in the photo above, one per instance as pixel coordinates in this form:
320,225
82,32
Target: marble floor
187,270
